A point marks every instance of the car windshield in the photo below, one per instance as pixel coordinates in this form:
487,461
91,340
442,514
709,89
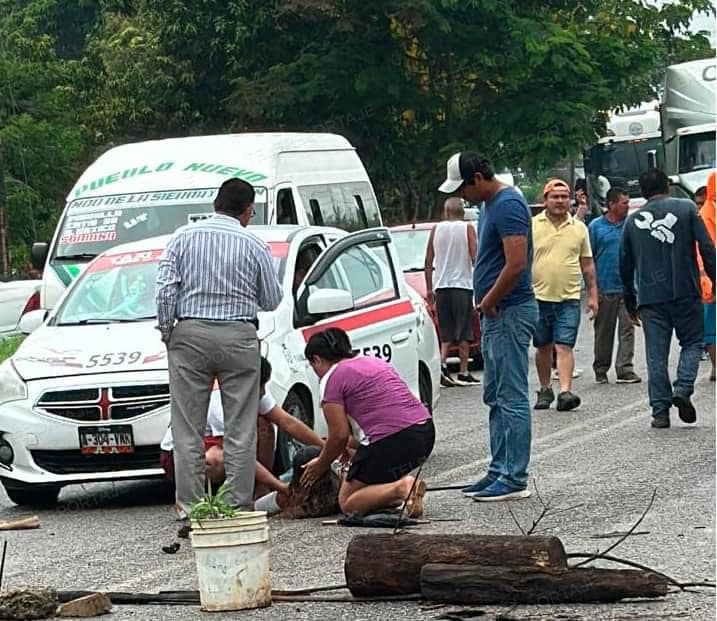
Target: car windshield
411,246
697,152
120,288
93,225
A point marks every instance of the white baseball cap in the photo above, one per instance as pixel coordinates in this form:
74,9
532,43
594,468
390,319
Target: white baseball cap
454,180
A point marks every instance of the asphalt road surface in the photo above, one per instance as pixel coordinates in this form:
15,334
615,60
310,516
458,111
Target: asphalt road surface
604,458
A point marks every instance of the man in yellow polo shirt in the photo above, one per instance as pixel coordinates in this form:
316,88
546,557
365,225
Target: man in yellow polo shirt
561,254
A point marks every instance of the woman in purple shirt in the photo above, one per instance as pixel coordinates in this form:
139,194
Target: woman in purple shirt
367,405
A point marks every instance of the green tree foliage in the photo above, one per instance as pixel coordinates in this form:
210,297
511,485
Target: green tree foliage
407,81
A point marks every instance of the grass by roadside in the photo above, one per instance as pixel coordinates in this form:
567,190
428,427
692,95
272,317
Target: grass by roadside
8,346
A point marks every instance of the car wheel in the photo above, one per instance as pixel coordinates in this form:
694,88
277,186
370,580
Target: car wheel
476,362
32,495
286,447
424,389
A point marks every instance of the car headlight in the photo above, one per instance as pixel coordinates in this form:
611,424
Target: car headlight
12,388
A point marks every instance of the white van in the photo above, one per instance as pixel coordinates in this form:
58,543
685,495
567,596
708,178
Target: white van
145,189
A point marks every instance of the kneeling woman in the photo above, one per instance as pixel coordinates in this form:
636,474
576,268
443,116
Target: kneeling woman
392,430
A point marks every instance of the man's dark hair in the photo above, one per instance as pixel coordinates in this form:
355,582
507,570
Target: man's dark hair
702,190
332,345
471,163
653,181
613,194
264,371
234,197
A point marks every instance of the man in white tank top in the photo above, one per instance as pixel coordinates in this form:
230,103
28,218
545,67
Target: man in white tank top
450,256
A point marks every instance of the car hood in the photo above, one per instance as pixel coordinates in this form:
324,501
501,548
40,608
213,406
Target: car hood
63,351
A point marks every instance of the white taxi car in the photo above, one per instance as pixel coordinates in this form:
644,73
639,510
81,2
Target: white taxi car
86,396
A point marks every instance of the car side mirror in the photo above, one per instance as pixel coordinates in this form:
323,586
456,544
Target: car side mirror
31,321
38,255
328,301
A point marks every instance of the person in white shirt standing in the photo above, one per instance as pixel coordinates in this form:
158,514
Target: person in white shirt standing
451,254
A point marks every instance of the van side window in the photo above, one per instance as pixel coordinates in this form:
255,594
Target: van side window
285,207
349,206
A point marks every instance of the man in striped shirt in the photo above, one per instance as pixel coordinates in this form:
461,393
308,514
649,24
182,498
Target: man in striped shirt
212,279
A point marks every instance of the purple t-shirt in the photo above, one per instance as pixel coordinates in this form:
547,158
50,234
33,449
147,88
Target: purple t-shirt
375,398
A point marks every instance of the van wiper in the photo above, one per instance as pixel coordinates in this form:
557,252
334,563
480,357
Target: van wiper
80,256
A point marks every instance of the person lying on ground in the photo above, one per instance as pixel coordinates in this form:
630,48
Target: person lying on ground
269,413
365,397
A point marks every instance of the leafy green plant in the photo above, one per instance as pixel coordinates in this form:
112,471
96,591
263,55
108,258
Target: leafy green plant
8,346
212,506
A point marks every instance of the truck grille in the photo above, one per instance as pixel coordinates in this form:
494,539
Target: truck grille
74,462
100,404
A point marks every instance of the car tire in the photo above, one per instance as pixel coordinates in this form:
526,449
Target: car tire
32,495
476,362
424,389
286,447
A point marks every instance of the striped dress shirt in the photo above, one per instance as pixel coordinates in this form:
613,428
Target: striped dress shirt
215,269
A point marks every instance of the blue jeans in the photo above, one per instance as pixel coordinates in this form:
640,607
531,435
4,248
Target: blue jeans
685,317
505,340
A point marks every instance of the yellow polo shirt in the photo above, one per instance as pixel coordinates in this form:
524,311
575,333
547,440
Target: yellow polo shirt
557,251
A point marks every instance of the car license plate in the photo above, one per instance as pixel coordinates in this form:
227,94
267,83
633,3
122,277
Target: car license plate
106,440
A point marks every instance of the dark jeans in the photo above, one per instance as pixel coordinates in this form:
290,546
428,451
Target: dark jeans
684,317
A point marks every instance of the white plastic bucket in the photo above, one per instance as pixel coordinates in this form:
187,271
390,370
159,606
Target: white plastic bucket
232,556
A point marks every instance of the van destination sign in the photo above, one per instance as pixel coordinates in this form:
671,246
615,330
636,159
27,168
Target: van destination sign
217,169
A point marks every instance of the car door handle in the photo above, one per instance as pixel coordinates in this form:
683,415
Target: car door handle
401,337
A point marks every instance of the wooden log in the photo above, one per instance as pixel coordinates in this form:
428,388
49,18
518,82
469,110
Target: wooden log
482,584
386,564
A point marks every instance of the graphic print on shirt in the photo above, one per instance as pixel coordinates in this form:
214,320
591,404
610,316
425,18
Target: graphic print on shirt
659,229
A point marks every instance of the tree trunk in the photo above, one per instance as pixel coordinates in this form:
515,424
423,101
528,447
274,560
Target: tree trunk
4,223
391,564
481,584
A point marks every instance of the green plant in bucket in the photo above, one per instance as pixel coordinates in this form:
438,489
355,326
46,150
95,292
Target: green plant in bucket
212,506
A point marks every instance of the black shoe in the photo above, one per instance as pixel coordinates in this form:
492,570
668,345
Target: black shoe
661,421
601,378
545,397
567,401
466,379
184,529
686,410
629,378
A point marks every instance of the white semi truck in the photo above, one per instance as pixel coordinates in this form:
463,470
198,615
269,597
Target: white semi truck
688,124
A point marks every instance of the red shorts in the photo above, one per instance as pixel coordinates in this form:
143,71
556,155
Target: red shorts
166,458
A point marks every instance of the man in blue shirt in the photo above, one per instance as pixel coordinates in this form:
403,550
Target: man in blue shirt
605,236
509,313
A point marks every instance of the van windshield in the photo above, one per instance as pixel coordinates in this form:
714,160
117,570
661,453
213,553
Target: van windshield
93,225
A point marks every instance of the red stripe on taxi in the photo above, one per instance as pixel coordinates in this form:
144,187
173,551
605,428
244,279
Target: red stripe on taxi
363,319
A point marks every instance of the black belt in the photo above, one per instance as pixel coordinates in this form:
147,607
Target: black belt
253,322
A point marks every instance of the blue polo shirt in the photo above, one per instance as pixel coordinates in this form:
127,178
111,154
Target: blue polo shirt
605,238
504,215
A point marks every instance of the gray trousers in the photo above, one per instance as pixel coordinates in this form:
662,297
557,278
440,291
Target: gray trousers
611,312
199,351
